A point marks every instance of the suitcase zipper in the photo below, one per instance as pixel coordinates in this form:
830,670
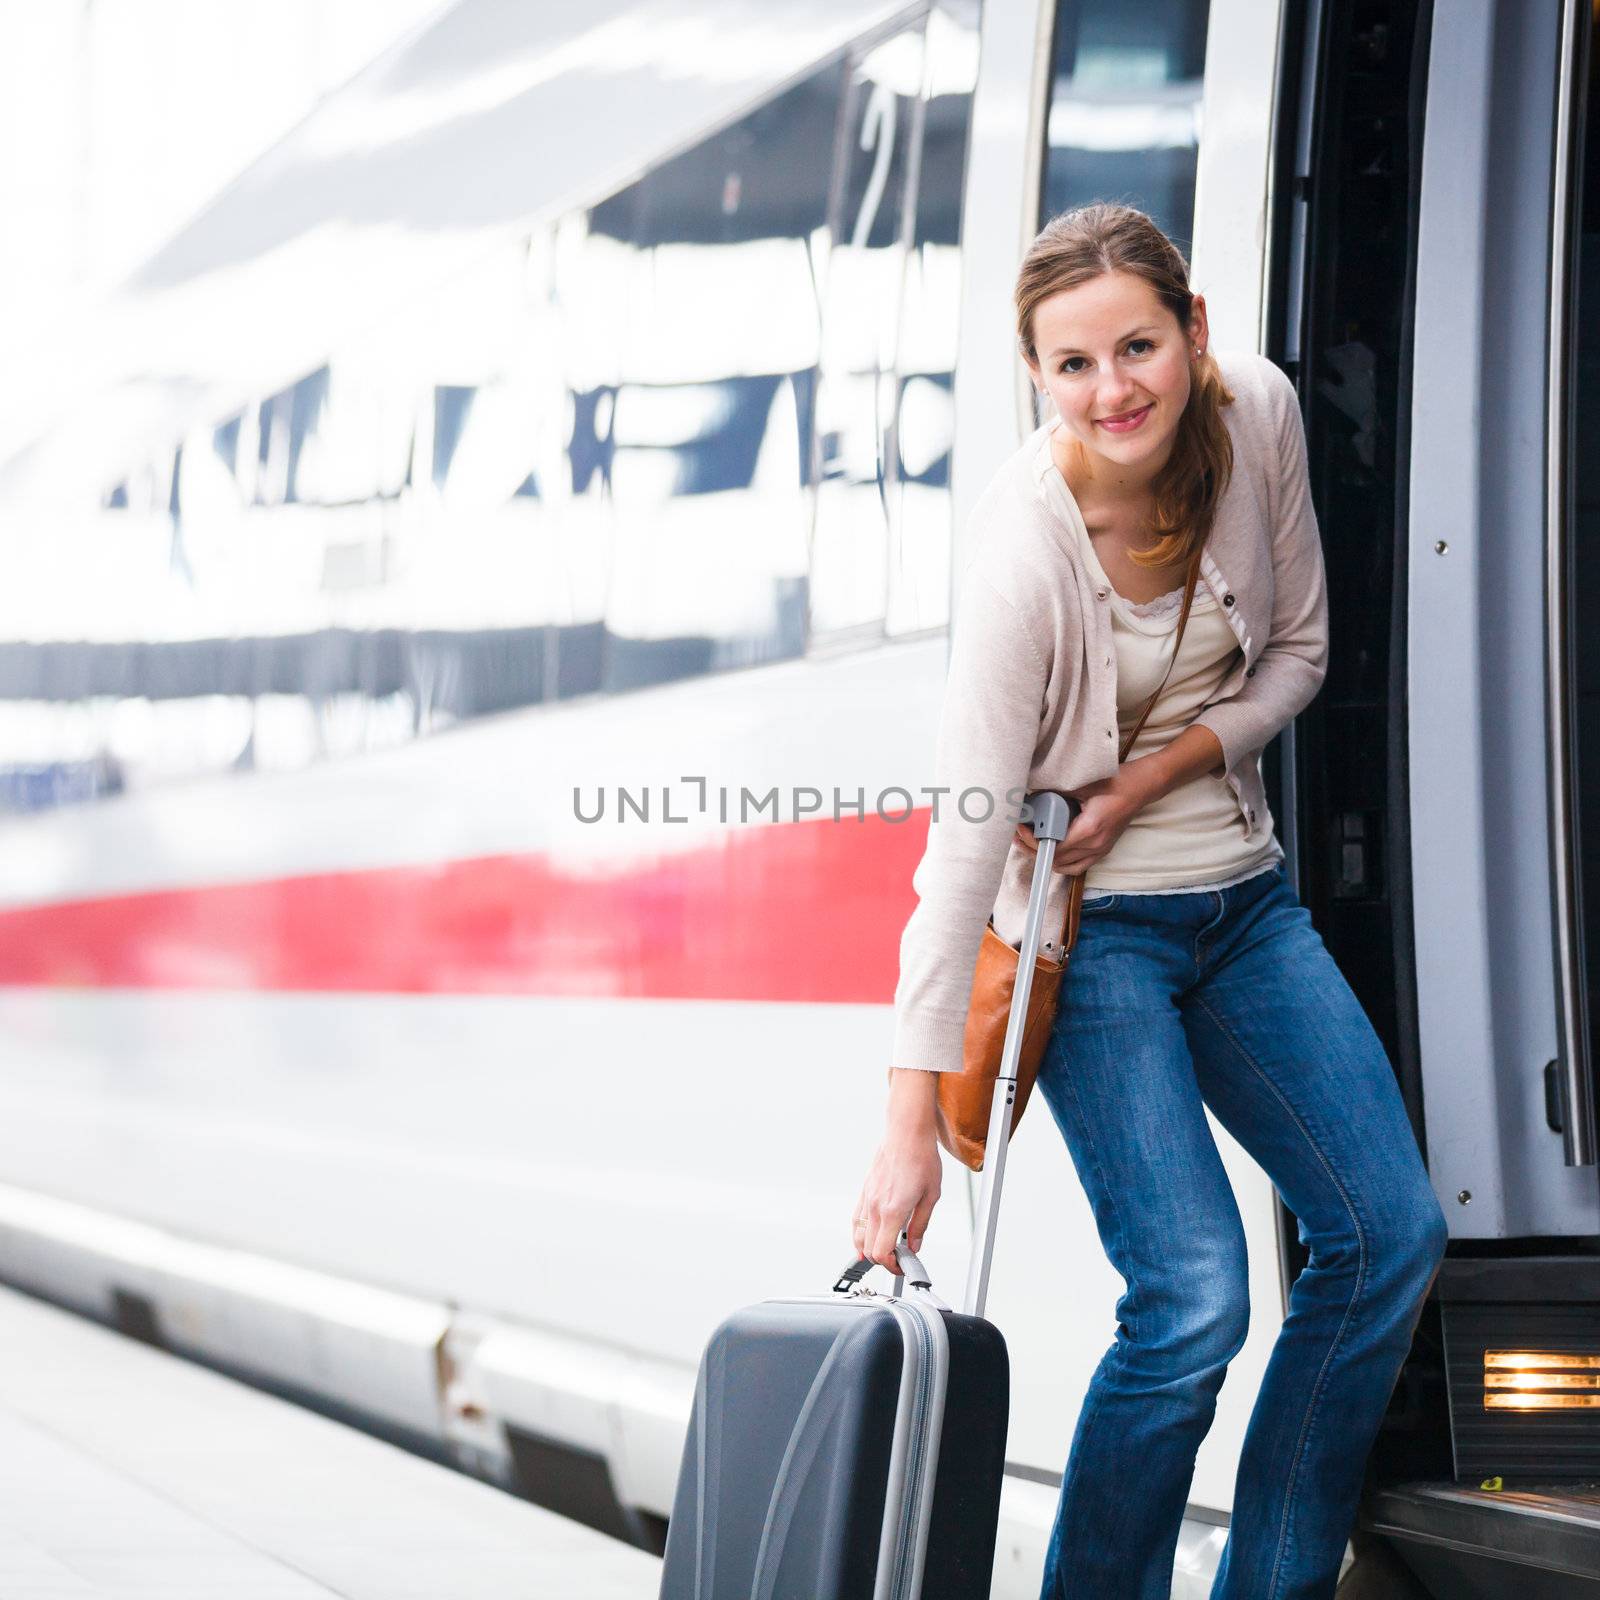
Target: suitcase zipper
912,1529
930,1351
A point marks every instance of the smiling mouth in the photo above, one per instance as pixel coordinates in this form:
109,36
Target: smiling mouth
1126,417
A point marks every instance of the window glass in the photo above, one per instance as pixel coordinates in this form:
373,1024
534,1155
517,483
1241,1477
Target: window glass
718,336
683,430
864,278
924,418
1124,116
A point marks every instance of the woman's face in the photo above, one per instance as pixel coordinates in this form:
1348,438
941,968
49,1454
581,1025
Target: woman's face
1108,348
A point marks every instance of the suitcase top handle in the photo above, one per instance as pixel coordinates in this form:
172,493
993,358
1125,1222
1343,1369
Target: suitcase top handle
915,1275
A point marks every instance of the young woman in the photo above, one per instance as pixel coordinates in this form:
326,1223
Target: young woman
1196,978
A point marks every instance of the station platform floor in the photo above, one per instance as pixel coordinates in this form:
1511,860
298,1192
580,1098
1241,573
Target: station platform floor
130,1474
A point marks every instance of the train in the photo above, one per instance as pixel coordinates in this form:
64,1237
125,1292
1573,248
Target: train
469,685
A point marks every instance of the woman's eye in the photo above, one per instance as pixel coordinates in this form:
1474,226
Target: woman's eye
1072,371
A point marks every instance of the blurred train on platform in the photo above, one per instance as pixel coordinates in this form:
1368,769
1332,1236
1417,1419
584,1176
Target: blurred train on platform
576,417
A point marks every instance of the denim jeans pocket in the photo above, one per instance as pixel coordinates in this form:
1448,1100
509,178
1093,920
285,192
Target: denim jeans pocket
1098,902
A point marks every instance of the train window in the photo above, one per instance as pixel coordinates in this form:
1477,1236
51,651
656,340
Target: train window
284,422
857,502
1124,117
451,404
718,347
578,276
924,417
687,428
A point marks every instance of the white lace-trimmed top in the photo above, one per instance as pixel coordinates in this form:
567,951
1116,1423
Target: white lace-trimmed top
1188,839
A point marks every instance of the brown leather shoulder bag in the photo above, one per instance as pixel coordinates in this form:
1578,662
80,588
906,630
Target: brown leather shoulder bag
961,1115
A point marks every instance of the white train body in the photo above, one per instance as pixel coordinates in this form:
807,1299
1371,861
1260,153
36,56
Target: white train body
351,1056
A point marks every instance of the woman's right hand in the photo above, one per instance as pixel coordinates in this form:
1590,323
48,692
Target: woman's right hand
902,1185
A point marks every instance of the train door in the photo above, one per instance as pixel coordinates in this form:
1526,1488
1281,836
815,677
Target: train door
1434,296
1506,1090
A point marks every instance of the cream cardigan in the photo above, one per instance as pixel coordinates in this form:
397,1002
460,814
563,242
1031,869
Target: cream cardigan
1030,688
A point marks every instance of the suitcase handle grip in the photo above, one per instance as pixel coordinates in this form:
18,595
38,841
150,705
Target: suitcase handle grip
915,1275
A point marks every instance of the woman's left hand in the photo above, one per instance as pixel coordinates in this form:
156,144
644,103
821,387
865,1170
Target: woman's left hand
1107,808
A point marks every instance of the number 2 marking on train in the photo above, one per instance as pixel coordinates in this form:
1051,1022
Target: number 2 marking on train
877,129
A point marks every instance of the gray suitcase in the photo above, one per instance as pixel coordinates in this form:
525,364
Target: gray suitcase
851,1445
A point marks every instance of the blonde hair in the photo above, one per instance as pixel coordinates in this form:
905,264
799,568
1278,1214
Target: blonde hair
1106,236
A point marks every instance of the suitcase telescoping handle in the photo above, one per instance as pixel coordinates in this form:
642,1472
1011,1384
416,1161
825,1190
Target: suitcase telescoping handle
1051,815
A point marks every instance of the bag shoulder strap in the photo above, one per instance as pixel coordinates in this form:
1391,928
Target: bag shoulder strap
1069,926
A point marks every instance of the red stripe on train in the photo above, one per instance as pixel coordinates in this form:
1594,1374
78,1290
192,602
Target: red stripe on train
808,910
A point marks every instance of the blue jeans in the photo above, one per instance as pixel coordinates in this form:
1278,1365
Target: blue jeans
1229,998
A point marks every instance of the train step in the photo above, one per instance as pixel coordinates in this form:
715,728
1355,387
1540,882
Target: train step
1534,1542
